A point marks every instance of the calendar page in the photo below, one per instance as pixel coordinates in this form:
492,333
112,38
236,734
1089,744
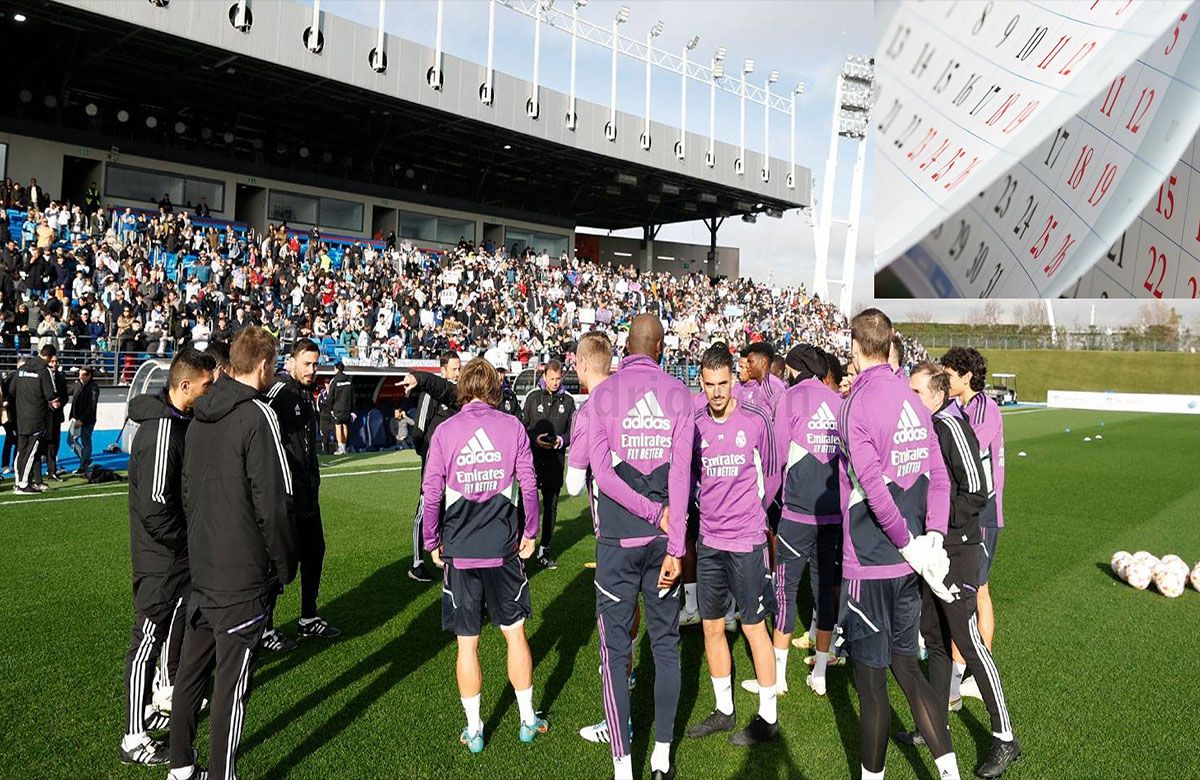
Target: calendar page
1159,255
1018,139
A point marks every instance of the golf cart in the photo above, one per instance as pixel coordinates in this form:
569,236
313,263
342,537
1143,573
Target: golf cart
1003,389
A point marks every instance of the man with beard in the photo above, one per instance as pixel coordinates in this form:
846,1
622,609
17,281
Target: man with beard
291,396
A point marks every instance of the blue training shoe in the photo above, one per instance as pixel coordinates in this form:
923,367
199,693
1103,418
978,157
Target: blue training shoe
529,732
474,742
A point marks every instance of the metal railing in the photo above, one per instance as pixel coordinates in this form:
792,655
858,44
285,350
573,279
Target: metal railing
1073,340
110,369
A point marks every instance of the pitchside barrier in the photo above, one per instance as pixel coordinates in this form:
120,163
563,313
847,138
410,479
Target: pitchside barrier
1123,402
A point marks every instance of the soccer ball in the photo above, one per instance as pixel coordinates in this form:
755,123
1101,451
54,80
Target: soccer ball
1138,575
1120,560
1145,558
1196,577
1169,582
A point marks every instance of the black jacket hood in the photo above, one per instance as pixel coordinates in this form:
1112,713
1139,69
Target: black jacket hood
225,396
152,406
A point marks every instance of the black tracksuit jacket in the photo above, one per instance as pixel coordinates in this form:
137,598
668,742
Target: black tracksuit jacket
968,485
157,529
341,396
549,414
437,400
237,495
34,390
298,423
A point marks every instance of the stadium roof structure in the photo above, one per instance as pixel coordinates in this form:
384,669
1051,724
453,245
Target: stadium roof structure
259,102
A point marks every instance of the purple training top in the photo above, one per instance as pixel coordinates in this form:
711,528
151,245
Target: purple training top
760,393
734,462
984,416
806,416
475,460
893,481
640,434
578,467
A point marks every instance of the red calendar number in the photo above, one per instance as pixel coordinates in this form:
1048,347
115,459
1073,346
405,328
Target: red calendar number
1170,199
1156,257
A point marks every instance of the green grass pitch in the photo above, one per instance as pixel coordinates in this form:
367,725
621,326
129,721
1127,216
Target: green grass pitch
1102,680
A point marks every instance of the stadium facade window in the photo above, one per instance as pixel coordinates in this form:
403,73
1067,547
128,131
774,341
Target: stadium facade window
550,243
124,182
298,208
430,228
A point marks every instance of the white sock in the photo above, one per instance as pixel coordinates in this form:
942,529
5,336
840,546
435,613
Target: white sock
766,703
948,767
622,768
867,775
956,680
723,688
130,741
781,656
820,663
525,705
471,707
182,773
1003,736
689,597
660,758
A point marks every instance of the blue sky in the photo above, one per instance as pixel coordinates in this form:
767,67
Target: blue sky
806,41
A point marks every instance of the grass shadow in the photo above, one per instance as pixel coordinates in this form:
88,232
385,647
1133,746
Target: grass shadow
1107,569
981,734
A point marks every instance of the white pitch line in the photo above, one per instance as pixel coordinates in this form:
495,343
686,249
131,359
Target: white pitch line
1023,411
16,502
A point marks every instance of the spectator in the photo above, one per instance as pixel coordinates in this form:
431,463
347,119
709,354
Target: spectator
83,418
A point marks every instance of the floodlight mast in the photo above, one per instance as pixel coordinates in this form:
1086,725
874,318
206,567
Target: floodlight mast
610,129
718,72
681,144
654,32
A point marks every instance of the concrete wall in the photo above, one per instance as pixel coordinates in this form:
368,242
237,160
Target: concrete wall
668,256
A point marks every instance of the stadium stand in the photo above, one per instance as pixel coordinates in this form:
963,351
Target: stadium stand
127,283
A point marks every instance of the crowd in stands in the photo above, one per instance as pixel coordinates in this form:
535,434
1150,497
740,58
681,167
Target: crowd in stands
150,281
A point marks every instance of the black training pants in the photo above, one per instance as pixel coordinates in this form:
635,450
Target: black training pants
218,642
957,621
29,453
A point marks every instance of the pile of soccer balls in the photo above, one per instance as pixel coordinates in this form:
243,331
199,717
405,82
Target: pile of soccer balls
1169,574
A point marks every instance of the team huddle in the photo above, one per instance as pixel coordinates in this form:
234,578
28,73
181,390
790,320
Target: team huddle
708,506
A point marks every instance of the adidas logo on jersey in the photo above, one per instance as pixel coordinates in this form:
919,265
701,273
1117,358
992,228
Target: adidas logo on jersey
479,449
646,415
909,428
822,419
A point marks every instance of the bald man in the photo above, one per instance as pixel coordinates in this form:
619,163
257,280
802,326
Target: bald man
640,420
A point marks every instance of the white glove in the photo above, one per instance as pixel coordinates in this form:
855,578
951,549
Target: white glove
927,558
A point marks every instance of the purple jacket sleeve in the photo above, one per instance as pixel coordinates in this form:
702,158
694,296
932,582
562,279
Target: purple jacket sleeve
937,500
679,477
864,460
527,479
433,489
770,463
606,478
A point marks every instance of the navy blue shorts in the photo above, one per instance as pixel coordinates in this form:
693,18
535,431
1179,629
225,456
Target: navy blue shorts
880,619
504,589
747,576
820,548
987,555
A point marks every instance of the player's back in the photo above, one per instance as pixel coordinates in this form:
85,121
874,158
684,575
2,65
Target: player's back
882,418
806,416
477,451
638,413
